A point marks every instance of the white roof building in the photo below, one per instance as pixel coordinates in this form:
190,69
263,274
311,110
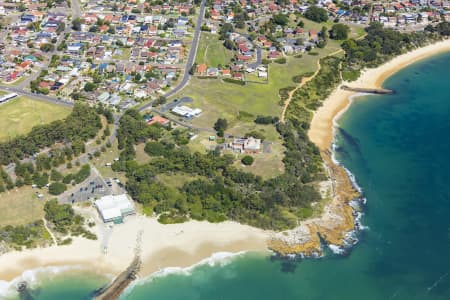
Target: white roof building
187,112
114,208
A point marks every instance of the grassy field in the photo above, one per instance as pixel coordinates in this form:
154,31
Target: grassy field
21,206
225,100
21,114
141,156
211,51
176,180
125,54
267,164
356,29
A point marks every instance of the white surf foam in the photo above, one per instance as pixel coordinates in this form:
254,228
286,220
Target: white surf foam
216,259
33,278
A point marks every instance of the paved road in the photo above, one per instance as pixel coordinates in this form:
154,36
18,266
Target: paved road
41,97
258,58
76,10
191,57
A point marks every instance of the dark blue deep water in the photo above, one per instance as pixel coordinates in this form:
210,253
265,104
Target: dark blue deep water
398,147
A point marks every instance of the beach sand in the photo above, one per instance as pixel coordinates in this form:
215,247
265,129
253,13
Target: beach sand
321,131
175,245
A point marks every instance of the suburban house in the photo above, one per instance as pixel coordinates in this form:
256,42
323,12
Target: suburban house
158,119
246,145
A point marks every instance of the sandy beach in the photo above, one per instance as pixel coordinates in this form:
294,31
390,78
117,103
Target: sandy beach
176,245
321,131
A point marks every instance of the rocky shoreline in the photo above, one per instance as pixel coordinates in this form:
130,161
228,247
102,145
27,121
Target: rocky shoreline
337,226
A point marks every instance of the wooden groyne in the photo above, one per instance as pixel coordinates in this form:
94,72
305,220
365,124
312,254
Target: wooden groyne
121,282
116,288
368,91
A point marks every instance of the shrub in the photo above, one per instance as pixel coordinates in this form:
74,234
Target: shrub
316,14
256,135
350,75
155,149
281,60
247,160
235,81
57,188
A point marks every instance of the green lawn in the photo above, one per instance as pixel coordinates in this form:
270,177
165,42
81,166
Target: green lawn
220,99
125,54
21,206
267,165
211,51
18,116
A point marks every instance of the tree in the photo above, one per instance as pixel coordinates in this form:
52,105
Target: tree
155,149
229,44
221,125
161,100
40,180
61,27
281,19
247,160
55,175
89,87
47,47
59,214
339,31
324,33
56,188
316,14
225,30
192,69
137,77
76,24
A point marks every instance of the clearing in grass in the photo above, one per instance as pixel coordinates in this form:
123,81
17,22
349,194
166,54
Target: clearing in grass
212,52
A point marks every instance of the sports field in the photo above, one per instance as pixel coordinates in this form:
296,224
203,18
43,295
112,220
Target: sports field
19,115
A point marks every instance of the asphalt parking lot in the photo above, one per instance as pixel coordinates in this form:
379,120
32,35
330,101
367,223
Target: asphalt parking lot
93,188
90,189
174,103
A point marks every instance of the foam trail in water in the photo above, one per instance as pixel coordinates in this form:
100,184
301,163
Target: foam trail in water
435,284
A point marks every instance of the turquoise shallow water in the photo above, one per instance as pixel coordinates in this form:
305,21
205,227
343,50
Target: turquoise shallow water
397,146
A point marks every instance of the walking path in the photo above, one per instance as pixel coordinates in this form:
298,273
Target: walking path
301,84
50,232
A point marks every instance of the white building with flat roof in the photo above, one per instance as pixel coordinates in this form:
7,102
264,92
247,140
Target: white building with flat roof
113,208
187,112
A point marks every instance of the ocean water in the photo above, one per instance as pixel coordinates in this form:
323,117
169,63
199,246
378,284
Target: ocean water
397,146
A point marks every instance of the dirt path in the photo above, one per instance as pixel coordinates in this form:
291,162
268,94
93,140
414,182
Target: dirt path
301,84
50,232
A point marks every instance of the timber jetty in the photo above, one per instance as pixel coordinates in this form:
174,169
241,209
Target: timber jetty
116,288
368,91
121,282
